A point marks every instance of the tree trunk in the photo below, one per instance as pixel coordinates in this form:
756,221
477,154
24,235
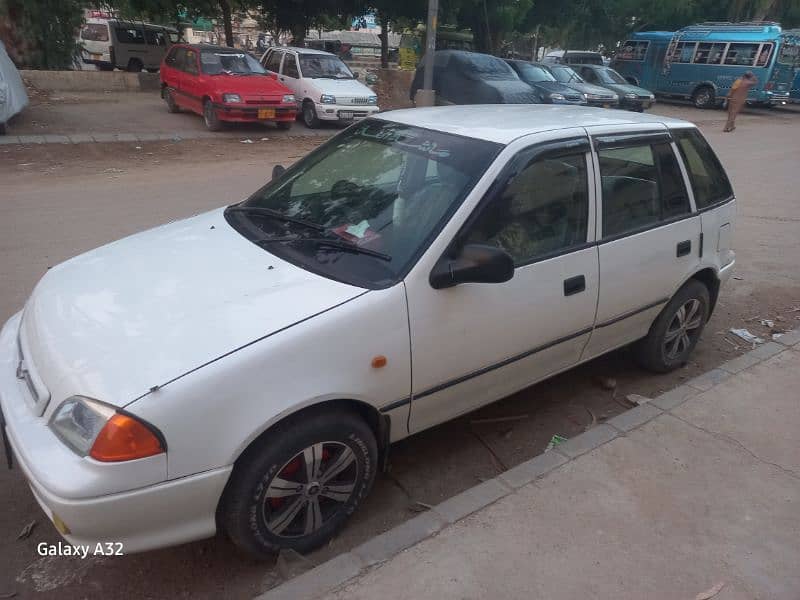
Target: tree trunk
225,7
299,33
384,20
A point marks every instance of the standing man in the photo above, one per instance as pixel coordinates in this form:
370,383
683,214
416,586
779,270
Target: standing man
737,97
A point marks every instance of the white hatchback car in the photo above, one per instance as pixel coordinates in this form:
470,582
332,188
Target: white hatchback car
248,368
325,88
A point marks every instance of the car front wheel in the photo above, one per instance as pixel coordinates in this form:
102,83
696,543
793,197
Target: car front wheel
297,488
169,98
210,117
310,115
676,331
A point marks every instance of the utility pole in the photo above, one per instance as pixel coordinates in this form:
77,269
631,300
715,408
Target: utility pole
427,96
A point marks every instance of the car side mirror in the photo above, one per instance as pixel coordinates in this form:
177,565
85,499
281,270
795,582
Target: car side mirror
356,74
476,263
277,171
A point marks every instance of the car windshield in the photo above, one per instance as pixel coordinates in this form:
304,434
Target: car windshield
610,76
789,54
532,73
483,66
566,75
324,66
229,63
365,205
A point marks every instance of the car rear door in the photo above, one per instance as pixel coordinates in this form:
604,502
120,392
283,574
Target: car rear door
475,343
649,234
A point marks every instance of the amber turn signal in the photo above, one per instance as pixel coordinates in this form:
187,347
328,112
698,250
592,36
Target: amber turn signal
125,438
378,362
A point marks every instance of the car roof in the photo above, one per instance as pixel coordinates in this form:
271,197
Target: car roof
505,123
212,48
302,50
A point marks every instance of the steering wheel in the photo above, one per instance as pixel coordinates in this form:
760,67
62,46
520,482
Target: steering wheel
344,188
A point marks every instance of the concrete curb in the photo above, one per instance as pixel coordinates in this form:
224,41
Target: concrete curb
338,571
82,138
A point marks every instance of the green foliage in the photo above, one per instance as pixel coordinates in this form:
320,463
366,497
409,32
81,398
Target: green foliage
42,32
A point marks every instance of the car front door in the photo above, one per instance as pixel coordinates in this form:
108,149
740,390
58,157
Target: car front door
191,89
290,75
477,342
649,235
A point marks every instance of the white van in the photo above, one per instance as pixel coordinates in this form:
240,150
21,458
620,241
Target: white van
131,46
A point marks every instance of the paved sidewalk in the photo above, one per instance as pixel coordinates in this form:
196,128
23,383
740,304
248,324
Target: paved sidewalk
176,136
696,489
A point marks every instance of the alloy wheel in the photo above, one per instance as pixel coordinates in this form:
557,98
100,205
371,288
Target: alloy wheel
683,329
310,489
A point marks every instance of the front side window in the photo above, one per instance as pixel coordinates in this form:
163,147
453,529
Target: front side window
130,36
156,38
589,75
633,50
229,63
529,72
323,66
709,181
381,189
641,186
542,211
789,53
741,54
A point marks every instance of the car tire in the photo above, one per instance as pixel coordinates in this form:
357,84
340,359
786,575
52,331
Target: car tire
284,125
135,65
105,67
704,97
210,117
270,502
2,128
155,70
310,115
169,98
676,331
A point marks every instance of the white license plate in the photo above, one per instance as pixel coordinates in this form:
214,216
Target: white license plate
96,56
345,115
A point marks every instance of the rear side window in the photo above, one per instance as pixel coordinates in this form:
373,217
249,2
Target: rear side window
170,58
95,32
633,50
156,38
290,66
642,186
179,59
709,181
191,62
273,62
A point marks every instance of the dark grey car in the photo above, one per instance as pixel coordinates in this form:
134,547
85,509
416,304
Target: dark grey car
461,77
595,95
549,90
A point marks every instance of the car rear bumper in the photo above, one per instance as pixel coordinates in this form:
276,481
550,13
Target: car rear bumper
73,493
267,113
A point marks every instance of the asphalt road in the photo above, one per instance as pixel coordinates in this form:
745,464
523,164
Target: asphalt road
57,201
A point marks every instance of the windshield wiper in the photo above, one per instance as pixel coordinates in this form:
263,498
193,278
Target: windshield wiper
331,243
274,214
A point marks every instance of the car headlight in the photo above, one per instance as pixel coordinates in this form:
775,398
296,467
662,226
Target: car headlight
327,99
652,96
289,99
231,98
556,96
91,428
373,100
584,97
630,96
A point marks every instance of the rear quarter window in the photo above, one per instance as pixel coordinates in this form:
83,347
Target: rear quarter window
709,181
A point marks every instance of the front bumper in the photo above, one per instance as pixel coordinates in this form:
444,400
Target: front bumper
84,498
344,112
603,102
636,103
249,113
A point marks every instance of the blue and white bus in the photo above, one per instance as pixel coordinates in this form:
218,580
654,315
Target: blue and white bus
701,62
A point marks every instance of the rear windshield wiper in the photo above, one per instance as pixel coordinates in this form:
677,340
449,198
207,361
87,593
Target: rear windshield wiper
330,243
274,214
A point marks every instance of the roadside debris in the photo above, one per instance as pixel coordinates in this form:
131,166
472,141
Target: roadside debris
498,463
8,595
498,419
420,507
776,336
27,530
636,399
290,564
747,336
592,417
555,441
247,141
708,594
607,383
768,323
264,139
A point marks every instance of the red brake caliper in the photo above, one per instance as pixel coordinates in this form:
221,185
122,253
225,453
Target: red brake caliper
291,469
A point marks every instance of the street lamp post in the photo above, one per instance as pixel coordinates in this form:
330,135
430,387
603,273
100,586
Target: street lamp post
426,96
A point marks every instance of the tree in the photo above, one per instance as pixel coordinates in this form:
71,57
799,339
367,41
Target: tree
41,33
389,12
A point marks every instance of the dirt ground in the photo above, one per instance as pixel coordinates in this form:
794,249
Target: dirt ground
57,201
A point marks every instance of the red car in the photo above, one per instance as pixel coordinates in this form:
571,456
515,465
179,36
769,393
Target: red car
224,84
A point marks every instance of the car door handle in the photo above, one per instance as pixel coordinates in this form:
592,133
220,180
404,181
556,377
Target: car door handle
574,285
684,248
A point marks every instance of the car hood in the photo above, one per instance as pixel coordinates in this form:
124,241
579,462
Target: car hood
248,84
134,314
341,87
588,88
513,91
626,88
553,87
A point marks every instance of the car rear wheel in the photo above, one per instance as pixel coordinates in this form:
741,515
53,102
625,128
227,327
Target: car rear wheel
210,116
310,115
297,488
704,97
676,331
2,128
169,98
135,65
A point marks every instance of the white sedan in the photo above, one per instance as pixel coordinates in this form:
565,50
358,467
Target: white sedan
248,368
